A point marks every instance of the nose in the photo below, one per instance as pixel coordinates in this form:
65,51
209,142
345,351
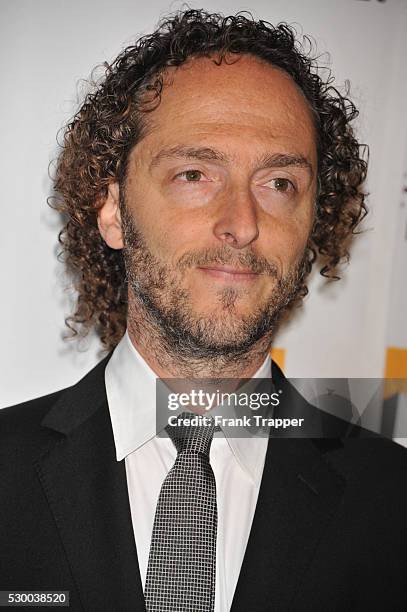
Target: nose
237,221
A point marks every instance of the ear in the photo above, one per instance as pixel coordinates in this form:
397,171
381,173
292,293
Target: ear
109,220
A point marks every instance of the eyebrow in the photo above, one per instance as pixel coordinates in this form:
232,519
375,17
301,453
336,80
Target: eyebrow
268,160
184,152
284,160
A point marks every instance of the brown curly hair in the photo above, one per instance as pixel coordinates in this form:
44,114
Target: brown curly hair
111,120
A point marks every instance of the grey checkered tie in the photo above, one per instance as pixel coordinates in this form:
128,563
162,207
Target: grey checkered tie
182,561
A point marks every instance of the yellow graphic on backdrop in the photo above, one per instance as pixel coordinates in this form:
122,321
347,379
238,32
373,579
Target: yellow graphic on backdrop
278,355
396,368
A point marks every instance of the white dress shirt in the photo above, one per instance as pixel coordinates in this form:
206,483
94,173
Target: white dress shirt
236,462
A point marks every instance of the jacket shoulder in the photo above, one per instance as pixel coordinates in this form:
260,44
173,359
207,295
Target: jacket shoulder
28,427
375,450
21,433
375,469
28,413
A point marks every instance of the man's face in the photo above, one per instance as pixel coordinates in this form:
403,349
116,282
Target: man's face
219,200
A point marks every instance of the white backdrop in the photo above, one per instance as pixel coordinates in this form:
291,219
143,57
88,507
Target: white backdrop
47,47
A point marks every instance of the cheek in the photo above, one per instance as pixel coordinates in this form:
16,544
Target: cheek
285,241
170,234
150,217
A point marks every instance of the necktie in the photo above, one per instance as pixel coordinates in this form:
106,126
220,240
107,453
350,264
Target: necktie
182,561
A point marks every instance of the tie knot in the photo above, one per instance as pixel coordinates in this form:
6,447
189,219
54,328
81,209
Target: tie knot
193,433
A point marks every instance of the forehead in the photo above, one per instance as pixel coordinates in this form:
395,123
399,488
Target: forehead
243,97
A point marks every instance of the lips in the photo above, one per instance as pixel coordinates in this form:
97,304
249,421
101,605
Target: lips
229,272
229,269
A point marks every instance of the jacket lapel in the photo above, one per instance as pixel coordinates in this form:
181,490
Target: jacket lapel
299,494
86,489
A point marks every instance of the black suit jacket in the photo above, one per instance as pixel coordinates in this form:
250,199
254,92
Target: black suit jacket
329,531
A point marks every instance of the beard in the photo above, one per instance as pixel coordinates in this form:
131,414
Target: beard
165,306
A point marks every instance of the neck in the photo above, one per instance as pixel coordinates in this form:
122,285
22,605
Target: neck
168,361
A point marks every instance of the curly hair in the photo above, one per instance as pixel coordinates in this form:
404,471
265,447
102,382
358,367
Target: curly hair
111,120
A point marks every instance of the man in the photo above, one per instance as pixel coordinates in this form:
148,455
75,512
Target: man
200,180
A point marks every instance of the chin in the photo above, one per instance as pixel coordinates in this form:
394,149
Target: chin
227,303
223,315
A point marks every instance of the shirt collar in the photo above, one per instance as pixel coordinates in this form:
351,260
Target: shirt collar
131,394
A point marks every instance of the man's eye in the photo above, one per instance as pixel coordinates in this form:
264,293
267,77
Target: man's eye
191,176
281,184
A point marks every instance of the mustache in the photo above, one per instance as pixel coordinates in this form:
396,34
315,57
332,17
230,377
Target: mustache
224,256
